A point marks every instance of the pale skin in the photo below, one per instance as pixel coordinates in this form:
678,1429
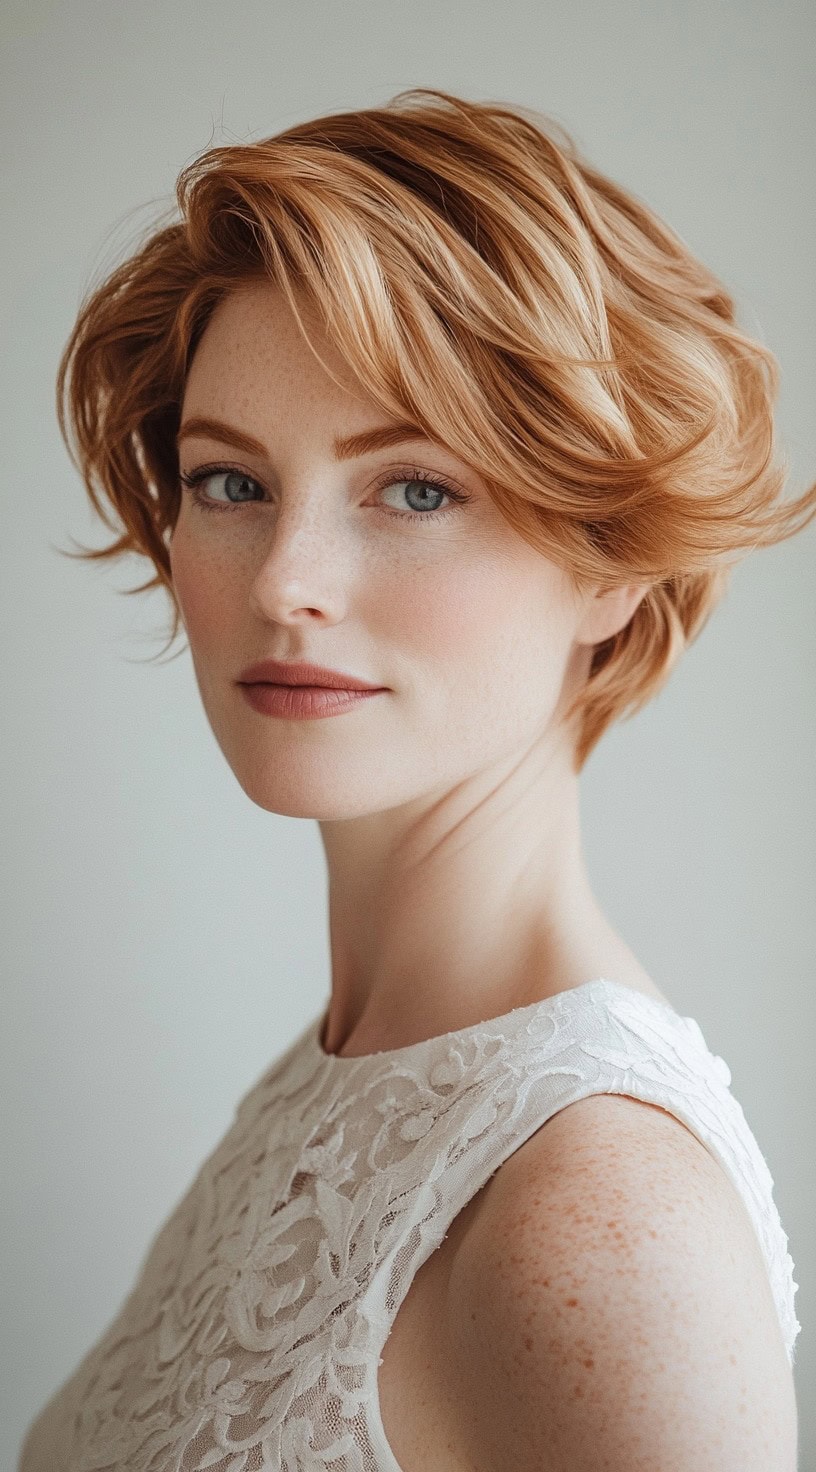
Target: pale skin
454,786
449,814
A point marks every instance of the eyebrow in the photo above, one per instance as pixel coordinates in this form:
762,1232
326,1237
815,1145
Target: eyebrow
344,449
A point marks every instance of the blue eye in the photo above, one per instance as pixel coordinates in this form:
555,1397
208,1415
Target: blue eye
438,487
207,472
242,485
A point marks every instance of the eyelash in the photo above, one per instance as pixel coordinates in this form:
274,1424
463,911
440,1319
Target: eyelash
192,482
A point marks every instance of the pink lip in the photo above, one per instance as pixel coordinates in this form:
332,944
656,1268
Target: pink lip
284,672
303,702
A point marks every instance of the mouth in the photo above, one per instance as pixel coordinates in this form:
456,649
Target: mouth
297,702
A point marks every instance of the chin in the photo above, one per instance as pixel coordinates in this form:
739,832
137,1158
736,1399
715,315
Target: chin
318,794
297,779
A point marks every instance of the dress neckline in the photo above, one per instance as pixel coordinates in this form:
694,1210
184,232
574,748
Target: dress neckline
546,1005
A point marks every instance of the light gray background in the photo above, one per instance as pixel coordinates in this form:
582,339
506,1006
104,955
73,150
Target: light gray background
164,939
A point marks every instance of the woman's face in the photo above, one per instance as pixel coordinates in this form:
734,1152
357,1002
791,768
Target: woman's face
338,562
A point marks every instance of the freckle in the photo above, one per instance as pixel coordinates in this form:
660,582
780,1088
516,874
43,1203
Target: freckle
528,1344
571,1302
579,1390
611,1224
588,1364
733,1358
651,1233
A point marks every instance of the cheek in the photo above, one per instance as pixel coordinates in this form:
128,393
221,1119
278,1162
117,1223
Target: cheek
202,590
496,634
469,613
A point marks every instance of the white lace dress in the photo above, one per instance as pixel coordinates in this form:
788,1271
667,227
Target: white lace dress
252,1336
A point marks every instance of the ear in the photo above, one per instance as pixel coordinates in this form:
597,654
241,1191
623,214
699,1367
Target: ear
607,611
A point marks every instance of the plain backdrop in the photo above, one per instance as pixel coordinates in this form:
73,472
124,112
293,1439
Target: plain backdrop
163,939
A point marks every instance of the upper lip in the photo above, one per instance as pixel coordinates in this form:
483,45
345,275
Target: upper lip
284,672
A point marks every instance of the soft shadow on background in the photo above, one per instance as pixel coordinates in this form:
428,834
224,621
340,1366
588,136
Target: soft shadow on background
164,939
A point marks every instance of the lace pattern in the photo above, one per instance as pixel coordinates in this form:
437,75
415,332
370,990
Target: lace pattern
252,1336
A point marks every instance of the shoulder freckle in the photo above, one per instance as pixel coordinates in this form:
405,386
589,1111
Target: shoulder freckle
612,1267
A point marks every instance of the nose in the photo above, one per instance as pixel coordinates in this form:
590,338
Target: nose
303,574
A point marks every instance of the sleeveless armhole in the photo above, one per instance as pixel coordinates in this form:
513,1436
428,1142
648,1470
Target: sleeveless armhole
606,1038
600,1038
254,1331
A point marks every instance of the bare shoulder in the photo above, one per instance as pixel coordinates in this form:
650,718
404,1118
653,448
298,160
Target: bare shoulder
609,1307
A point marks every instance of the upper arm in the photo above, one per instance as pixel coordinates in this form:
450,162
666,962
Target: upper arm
610,1308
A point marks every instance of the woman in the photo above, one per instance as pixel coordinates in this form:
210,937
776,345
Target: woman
415,396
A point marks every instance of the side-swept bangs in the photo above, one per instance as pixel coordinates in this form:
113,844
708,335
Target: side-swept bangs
481,279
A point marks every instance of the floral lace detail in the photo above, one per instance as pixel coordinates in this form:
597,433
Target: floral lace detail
252,1337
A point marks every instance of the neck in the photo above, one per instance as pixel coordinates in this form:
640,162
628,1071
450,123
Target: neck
459,907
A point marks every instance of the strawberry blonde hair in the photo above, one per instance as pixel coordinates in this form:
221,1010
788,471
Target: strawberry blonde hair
477,274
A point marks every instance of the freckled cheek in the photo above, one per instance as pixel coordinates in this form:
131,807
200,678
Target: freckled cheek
203,592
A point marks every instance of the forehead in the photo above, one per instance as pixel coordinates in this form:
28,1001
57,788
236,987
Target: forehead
255,381
253,338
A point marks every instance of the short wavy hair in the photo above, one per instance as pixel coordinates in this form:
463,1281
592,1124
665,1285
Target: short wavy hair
478,275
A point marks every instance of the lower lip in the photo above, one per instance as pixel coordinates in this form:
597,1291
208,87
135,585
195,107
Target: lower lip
303,702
